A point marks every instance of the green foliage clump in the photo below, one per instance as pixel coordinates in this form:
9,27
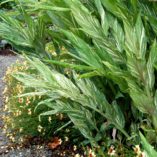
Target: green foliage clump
102,73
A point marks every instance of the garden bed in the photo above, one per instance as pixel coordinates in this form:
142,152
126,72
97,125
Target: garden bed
88,75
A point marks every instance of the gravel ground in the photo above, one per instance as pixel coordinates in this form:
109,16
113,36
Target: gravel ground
5,61
6,150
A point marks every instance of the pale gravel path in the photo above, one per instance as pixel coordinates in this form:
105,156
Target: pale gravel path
34,150
5,61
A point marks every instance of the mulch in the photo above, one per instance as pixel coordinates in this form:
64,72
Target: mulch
6,52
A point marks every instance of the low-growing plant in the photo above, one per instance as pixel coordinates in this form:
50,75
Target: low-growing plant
21,119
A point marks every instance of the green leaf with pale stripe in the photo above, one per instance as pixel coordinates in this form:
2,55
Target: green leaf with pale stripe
150,66
151,152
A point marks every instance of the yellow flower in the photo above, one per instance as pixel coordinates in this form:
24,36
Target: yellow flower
137,149
5,90
49,119
66,138
17,113
4,78
77,155
21,129
91,153
6,99
12,138
111,151
28,101
63,48
74,147
61,116
19,88
17,61
29,111
20,100
5,107
22,68
39,128
5,126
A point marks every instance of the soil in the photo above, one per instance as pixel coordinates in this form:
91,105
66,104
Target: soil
6,52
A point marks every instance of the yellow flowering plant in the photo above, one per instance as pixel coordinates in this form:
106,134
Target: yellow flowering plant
22,119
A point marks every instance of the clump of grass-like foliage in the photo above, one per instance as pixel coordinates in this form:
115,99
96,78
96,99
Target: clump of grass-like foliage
102,72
